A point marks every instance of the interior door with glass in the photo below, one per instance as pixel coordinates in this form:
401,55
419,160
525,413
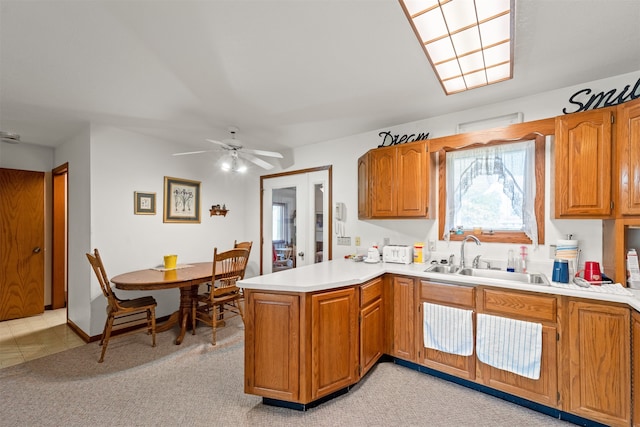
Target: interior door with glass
295,210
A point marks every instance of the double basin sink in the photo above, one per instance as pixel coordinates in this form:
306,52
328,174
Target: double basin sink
453,272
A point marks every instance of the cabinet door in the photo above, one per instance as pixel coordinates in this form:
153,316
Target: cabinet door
334,341
583,164
599,362
272,355
383,182
371,335
413,180
543,390
628,137
363,187
403,318
451,296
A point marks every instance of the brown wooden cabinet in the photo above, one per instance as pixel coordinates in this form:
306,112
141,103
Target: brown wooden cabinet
371,324
451,296
636,369
628,154
272,354
599,348
403,318
530,307
364,198
334,341
393,182
583,158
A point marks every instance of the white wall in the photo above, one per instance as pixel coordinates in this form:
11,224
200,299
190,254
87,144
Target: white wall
106,166
343,153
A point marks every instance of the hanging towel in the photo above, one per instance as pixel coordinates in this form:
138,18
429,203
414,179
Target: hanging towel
510,345
448,329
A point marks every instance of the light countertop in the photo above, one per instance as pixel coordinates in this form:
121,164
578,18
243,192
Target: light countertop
339,273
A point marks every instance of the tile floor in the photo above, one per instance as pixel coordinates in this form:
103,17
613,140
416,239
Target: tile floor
36,336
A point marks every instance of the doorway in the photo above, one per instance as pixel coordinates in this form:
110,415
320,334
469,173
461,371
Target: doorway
59,245
295,228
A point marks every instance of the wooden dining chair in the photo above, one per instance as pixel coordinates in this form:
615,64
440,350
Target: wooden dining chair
243,245
224,296
122,309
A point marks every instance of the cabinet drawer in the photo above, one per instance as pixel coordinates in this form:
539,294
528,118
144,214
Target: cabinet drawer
535,307
371,291
454,295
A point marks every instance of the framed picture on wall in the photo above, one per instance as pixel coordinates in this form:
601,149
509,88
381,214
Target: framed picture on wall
144,203
181,200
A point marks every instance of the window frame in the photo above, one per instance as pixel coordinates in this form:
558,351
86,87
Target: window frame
537,131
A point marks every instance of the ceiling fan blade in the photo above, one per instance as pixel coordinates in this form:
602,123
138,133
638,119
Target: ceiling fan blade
223,144
255,160
263,153
192,152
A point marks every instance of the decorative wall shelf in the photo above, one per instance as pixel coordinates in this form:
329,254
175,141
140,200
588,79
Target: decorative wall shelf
217,210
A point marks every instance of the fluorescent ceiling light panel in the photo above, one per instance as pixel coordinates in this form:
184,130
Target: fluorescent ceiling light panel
469,43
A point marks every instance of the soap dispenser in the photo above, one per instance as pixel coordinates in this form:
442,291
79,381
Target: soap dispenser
511,261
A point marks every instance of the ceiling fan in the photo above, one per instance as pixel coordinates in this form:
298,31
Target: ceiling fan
237,151
9,137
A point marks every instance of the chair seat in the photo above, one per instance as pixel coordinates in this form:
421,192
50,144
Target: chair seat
141,302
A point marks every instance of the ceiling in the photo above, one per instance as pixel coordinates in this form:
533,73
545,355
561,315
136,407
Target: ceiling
287,73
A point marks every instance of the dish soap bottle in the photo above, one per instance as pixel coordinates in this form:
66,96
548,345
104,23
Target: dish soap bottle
523,260
511,261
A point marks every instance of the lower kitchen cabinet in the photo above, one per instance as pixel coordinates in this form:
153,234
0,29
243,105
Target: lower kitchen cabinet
532,308
334,341
599,347
403,318
371,324
450,296
272,345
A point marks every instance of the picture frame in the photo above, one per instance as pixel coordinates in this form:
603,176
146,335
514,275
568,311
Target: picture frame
144,203
181,200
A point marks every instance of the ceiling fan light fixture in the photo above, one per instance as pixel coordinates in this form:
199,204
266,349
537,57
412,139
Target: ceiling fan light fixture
234,165
464,40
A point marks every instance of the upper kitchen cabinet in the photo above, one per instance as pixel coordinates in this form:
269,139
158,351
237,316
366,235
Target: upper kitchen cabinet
583,157
393,182
628,146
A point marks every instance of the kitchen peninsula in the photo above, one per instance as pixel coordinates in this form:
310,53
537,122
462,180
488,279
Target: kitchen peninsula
313,332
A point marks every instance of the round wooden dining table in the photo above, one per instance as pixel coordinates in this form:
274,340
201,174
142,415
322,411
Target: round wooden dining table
185,277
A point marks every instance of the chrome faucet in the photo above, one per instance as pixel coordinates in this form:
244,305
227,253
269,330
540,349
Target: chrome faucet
469,236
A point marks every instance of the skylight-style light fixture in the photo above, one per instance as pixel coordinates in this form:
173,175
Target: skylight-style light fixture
468,42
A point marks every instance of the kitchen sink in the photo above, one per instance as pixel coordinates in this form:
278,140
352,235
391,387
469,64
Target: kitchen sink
454,271
442,268
534,278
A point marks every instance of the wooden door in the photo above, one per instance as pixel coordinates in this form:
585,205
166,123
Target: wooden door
600,367
371,324
334,341
583,149
21,243
628,137
413,180
383,182
403,318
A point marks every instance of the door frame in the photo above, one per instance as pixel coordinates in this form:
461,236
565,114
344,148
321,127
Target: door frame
60,236
329,169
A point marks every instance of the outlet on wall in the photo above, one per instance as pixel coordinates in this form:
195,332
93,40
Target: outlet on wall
357,240
432,245
385,241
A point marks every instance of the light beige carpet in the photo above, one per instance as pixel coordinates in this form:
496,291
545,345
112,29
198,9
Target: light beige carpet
197,384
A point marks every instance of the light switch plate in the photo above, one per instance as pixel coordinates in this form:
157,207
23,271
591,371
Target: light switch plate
344,241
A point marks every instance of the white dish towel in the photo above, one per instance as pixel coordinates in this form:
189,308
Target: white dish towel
510,345
448,329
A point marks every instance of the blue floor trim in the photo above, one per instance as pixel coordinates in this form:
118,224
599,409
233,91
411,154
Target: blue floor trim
552,412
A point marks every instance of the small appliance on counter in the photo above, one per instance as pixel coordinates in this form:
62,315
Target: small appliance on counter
400,254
